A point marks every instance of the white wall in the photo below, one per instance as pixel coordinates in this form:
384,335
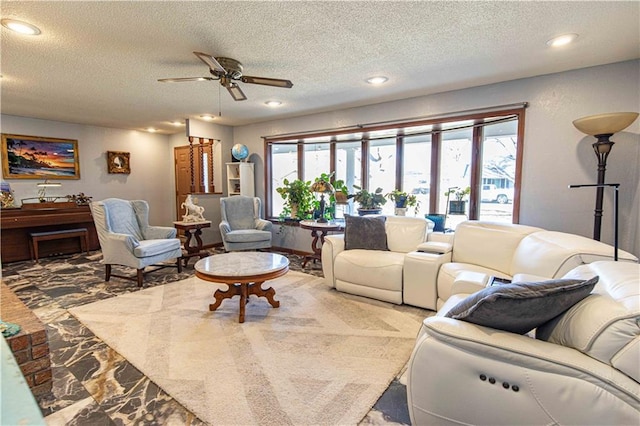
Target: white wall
151,163
556,154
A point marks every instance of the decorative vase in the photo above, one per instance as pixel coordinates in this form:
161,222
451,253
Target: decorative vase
400,211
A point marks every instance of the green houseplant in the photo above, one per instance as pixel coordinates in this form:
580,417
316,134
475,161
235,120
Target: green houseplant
402,201
369,202
298,199
459,205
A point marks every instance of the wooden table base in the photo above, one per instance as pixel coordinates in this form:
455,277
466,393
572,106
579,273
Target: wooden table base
244,290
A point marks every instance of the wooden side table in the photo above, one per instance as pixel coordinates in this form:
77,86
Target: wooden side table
318,232
191,230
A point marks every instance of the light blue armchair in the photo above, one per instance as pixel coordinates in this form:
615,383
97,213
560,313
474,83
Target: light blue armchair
127,239
241,226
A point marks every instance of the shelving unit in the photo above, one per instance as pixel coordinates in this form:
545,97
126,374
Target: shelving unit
240,179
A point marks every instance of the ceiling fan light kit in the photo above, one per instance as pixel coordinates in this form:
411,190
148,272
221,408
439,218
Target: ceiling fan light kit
228,71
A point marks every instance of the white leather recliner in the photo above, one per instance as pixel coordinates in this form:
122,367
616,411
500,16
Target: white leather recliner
586,371
374,273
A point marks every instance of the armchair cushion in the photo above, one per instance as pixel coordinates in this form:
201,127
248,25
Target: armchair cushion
521,307
365,232
147,248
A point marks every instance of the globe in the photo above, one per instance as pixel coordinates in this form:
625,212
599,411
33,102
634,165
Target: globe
240,151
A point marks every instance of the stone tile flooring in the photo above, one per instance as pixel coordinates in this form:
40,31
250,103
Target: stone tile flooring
94,385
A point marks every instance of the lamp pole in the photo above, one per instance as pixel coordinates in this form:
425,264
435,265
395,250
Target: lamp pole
602,148
600,188
603,126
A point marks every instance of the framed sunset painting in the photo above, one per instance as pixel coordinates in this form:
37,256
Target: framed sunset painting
33,157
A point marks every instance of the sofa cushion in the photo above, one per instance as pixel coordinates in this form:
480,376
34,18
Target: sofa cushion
372,268
405,234
553,254
365,232
489,244
521,307
605,325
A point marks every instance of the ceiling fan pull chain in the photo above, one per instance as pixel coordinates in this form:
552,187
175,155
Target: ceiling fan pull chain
219,102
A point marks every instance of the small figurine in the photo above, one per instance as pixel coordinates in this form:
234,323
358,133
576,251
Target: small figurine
194,212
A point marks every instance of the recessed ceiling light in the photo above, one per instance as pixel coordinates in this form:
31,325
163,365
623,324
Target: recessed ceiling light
151,130
377,80
176,123
273,103
207,117
20,27
562,40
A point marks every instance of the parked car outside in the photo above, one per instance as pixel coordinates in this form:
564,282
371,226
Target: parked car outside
493,194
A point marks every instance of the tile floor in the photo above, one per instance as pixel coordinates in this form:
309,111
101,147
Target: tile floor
94,385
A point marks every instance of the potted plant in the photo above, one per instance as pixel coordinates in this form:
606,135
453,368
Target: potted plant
402,201
459,205
298,199
370,202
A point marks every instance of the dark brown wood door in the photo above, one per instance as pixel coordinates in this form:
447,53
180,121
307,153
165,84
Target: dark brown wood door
183,176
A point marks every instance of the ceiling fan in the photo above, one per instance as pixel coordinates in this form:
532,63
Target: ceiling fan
228,71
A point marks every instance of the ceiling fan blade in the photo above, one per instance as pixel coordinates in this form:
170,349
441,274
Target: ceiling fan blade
179,80
236,92
267,81
211,62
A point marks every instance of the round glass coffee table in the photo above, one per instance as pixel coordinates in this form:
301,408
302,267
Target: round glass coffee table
244,273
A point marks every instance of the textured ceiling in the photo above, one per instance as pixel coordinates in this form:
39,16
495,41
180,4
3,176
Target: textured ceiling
98,62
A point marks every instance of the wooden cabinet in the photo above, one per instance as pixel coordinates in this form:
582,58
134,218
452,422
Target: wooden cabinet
240,179
16,224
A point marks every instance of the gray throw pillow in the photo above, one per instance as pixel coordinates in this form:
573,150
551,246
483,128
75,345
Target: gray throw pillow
365,232
521,307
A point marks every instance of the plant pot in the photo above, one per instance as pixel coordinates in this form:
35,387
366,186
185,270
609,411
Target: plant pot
457,207
401,202
400,211
341,197
294,210
364,212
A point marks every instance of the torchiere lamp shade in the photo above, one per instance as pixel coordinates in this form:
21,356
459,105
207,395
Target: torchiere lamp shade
603,124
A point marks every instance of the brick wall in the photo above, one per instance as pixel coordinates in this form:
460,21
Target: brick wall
30,347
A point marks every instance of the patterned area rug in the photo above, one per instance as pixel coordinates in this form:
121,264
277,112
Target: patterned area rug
323,357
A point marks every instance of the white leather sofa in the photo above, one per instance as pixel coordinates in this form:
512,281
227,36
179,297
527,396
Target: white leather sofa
585,371
465,260
374,273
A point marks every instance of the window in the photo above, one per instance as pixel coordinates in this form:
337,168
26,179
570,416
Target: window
481,152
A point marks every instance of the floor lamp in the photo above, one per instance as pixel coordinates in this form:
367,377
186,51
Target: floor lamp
616,186
603,126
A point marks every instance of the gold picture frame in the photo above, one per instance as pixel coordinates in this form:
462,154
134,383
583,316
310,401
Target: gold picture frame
35,157
118,162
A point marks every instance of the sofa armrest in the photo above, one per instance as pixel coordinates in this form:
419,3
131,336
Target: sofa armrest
420,278
512,377
332,247
436,247
441,237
